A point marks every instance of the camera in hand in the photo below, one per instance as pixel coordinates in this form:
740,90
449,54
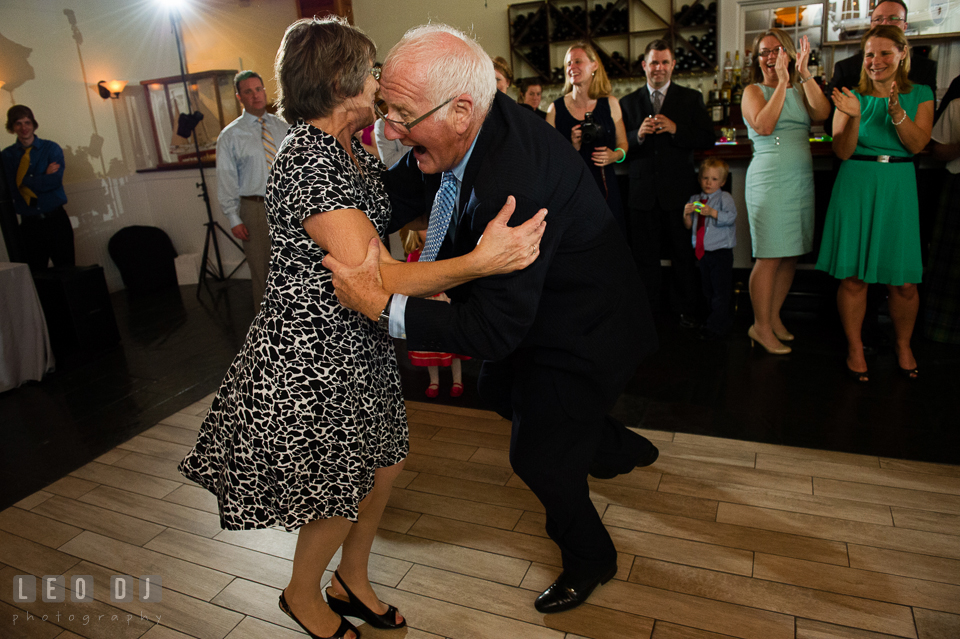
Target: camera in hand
591,130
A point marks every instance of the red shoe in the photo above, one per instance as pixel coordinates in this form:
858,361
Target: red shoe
456,390
433,390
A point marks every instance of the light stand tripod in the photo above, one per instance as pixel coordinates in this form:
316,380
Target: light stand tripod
190,121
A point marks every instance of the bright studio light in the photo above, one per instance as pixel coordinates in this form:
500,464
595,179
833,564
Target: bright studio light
174,5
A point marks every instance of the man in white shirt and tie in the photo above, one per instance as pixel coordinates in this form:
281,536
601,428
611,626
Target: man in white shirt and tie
246,149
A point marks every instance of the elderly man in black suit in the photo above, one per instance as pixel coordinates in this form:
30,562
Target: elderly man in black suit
846,72
665,124
559,339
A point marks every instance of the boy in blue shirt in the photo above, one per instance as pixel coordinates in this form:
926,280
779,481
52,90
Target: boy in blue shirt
711,215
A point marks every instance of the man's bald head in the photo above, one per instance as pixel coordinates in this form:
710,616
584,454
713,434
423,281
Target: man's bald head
445,62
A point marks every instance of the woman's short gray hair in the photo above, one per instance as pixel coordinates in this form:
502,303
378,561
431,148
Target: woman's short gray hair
321,63
451,71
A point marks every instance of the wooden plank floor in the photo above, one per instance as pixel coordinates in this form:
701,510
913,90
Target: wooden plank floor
720,538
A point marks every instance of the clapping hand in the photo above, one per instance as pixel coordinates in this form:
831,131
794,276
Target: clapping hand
803,56
893,105
846,102
52,168
782,68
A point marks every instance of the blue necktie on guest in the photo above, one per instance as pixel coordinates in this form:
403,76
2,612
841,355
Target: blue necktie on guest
443,205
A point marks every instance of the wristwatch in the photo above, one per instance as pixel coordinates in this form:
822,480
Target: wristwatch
384,320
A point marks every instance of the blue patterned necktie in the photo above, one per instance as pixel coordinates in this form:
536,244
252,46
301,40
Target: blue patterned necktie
443,205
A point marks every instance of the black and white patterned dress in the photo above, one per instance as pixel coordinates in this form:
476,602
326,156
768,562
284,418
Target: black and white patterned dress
312,405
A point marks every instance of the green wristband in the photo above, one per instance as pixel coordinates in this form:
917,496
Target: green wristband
624,155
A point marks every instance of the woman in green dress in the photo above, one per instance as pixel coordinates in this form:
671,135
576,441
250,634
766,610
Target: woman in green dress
778,107
872,229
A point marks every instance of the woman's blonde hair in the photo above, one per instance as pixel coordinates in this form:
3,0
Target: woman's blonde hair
895,35
600,84
756,75
411,241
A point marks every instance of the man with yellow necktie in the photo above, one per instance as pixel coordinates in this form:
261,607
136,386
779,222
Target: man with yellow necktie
246,149
34,171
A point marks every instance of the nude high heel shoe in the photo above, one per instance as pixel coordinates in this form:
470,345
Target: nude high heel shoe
776,350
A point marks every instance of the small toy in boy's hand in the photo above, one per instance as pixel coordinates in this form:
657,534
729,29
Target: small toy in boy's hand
698,207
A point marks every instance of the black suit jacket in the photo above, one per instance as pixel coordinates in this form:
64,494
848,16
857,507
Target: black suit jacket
846,75
661,169
953,92
578,313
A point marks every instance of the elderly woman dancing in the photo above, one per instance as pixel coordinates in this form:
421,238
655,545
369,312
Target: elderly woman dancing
308,430
872,229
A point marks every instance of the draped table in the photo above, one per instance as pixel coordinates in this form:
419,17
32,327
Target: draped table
25,352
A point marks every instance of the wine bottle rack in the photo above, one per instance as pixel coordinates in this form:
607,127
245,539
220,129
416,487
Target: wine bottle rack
541,32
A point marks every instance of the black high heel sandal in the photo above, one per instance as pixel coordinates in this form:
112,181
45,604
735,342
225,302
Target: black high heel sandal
909,373
356,608
861,377
342,630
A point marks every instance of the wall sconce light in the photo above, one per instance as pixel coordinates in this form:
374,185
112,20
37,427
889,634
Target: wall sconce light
2,83
111,89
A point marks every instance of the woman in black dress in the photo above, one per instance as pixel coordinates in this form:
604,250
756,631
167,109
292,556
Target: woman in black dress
587,90
308,430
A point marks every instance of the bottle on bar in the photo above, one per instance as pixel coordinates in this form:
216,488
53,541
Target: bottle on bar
726,89
715,106
736,70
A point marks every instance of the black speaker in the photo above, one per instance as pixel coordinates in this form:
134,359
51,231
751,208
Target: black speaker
77,307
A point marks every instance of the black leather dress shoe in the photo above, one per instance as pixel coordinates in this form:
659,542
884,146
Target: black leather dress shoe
566,593
601,471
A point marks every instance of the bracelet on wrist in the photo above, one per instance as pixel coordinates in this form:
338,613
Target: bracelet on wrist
901,119
803,79
624,155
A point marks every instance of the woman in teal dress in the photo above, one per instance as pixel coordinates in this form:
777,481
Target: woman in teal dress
778,107
872,229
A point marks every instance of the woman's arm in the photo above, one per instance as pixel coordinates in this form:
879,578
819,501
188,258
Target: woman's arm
603,155
617,114
913,134
846,123
816,103
346,234
762,115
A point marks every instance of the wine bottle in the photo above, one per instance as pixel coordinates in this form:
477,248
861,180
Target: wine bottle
714,106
